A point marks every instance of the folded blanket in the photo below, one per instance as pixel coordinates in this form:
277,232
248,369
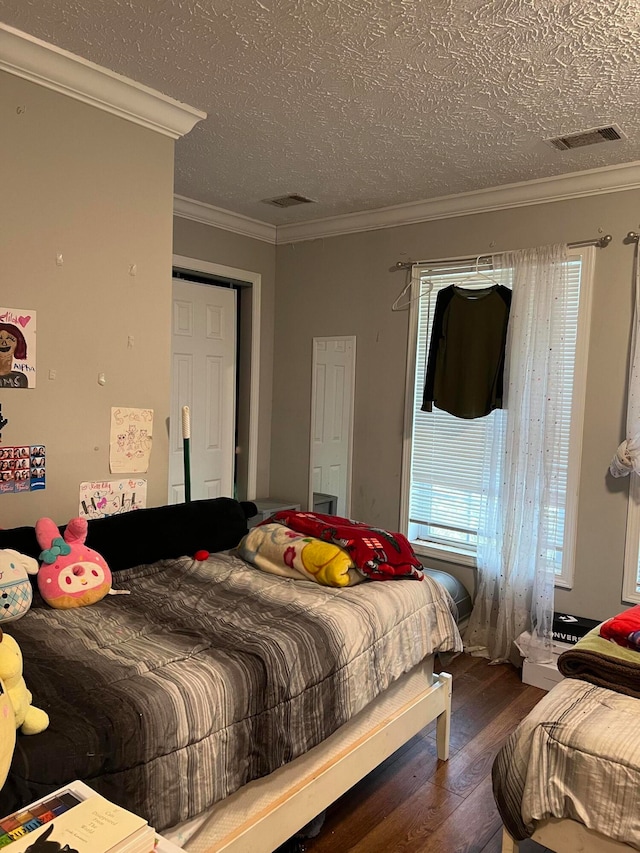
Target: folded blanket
602,663
281,551
624,629
378,554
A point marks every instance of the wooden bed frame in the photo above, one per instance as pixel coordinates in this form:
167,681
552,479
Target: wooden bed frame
563,835
265,813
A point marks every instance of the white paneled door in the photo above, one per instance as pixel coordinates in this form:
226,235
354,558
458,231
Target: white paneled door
203,351
332,418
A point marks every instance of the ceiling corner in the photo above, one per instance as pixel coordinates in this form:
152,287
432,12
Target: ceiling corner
47,65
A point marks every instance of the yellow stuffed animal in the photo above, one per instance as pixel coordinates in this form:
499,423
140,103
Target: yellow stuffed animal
29,720
7,734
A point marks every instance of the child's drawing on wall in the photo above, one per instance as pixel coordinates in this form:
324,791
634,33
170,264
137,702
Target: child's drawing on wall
131,440
17,348
112,497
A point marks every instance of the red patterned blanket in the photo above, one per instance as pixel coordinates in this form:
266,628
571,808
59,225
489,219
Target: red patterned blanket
378,554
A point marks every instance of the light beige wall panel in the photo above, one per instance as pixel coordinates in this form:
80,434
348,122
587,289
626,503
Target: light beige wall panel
346,285
197,240
97,189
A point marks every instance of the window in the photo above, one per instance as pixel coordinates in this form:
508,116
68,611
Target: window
444,456
631,580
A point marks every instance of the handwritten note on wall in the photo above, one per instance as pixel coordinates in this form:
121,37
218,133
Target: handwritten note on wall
130,440
112,497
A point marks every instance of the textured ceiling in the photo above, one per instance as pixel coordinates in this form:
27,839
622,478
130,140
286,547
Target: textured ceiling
359,104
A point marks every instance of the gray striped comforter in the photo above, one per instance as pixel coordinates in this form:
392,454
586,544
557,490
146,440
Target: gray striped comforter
576,755
209,675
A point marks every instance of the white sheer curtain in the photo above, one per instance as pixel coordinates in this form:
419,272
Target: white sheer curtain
627,456
520,508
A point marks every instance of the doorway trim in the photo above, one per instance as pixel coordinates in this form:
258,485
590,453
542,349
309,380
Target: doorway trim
254,280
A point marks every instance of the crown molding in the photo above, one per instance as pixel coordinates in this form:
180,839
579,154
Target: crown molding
541,191
608,179
35,60
198,211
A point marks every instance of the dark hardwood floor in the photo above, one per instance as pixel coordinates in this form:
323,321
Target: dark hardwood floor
414,803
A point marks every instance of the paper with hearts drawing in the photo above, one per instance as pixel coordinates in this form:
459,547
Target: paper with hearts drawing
17,348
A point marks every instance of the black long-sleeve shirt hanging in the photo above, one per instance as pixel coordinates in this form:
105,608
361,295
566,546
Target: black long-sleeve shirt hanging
466,354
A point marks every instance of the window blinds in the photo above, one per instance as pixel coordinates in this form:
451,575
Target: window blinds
448,452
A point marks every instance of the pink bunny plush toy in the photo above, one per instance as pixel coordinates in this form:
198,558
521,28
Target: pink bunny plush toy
71,574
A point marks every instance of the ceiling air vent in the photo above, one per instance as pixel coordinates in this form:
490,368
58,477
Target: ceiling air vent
288,200
586,137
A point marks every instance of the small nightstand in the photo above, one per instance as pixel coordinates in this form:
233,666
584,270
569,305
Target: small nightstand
266,507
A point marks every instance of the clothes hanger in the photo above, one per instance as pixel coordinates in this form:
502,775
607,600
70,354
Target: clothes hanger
473,277
400,306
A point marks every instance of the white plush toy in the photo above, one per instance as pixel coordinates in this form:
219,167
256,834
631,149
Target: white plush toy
16,592
27,718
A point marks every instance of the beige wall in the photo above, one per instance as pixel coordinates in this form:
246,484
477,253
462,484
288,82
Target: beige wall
197,240
99,190
346,285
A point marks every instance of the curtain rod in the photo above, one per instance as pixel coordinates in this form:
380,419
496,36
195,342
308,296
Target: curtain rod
600,242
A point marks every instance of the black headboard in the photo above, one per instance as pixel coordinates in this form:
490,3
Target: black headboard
147,535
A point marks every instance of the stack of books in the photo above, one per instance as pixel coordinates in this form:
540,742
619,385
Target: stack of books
76,819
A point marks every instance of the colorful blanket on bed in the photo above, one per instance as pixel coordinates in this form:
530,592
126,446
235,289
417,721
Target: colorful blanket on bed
378,554
281,551
604,663
209,674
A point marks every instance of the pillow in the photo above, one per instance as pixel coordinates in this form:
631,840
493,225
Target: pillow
157,533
